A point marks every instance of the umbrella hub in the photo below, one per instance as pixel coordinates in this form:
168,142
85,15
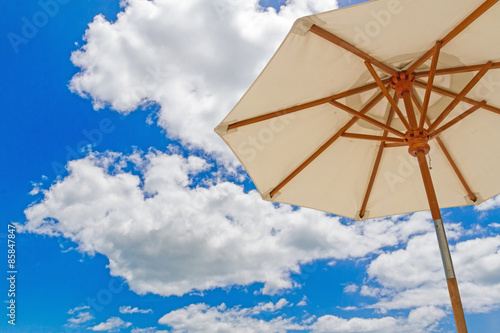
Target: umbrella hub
402,82
417,141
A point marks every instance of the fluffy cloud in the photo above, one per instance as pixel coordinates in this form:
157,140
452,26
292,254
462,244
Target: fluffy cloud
194,58
352,288
78,308
113,324
129,309
166,236
147,330
414,276
422,319
203,318
81,318
493,203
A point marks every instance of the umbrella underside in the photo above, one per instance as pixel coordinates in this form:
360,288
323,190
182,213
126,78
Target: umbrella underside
335,120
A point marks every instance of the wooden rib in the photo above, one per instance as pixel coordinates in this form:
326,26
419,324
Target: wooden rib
371,137
327,144
304,106
456,70
430,82
455,168
409,109
453,33
460,96
456,119
351,48
448,156
359,89
279,113
366,118
394,144
448,93
375,166
391,100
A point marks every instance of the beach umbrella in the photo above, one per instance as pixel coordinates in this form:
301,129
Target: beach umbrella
383,108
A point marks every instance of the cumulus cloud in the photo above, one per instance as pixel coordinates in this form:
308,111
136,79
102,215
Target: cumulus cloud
165,235
193,58
203,318
81,318
130,309
422,319
147,330
113,324
493,203
413,276
351,288
303,301
78,308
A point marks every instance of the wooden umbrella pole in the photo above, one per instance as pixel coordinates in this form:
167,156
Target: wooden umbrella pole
451,280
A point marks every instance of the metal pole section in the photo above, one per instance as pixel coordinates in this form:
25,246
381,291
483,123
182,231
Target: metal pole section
456,302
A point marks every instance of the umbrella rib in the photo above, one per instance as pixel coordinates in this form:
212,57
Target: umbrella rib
304,106
457,119
395,144
430,82
366,118
351,48
453,95
371,137
447,154
453,33
376,165
460,96
409,110
456,70
391,100
321,149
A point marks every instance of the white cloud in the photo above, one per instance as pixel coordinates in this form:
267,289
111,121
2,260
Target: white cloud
129,309
194,58
147,330
270,306
348,308
165,236
419,320
493,203
81,318
351,288
205,319
414,276
78,308
113,324
303,301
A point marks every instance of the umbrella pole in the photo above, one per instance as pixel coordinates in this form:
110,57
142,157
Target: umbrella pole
451,280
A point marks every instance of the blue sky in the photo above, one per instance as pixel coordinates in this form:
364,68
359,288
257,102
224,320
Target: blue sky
132,172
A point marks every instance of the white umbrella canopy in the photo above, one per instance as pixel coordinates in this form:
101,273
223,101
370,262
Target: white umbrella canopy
308,68
335,120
